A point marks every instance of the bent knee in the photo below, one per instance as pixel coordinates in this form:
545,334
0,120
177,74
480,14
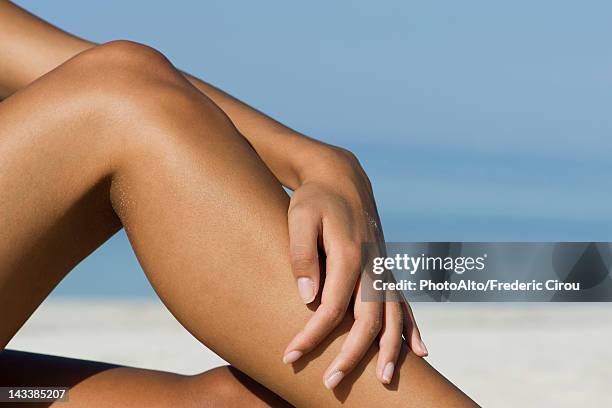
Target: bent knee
122,59
125,97
121,71
130,82
228,387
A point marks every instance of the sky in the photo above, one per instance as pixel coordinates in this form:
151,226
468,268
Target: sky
476,120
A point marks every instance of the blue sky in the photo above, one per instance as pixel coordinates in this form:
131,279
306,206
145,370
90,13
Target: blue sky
476,120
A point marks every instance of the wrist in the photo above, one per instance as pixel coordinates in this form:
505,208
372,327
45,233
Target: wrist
300,159
327,163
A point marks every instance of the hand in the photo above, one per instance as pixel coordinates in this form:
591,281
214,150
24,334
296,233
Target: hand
334,210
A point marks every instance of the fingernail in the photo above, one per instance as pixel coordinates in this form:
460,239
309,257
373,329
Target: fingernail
306,289
292,356
388,373
424,348
333,379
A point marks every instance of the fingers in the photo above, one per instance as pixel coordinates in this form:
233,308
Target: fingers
304,229
343,257
365,329
390,342
343,264
411,332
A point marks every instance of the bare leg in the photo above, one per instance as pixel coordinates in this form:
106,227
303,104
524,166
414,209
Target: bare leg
205,216
93,384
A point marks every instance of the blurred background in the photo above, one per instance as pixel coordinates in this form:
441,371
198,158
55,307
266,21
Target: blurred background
476,121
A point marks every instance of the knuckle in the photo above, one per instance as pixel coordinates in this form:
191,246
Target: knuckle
333,313
394,317
398,319
390,340
300,210
303,259
308,343
349,361
350,252
373,326
391,337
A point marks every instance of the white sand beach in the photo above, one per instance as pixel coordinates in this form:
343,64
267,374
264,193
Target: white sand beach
503,355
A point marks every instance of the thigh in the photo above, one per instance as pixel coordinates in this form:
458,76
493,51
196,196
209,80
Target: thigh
57,165
59,140
50,217
93,384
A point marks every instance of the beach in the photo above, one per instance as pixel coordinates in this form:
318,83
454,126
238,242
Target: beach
502,355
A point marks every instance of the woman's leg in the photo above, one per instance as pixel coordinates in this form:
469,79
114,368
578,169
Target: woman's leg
44,236
93,384
205,216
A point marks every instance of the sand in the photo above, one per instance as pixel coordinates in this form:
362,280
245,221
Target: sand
503,355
